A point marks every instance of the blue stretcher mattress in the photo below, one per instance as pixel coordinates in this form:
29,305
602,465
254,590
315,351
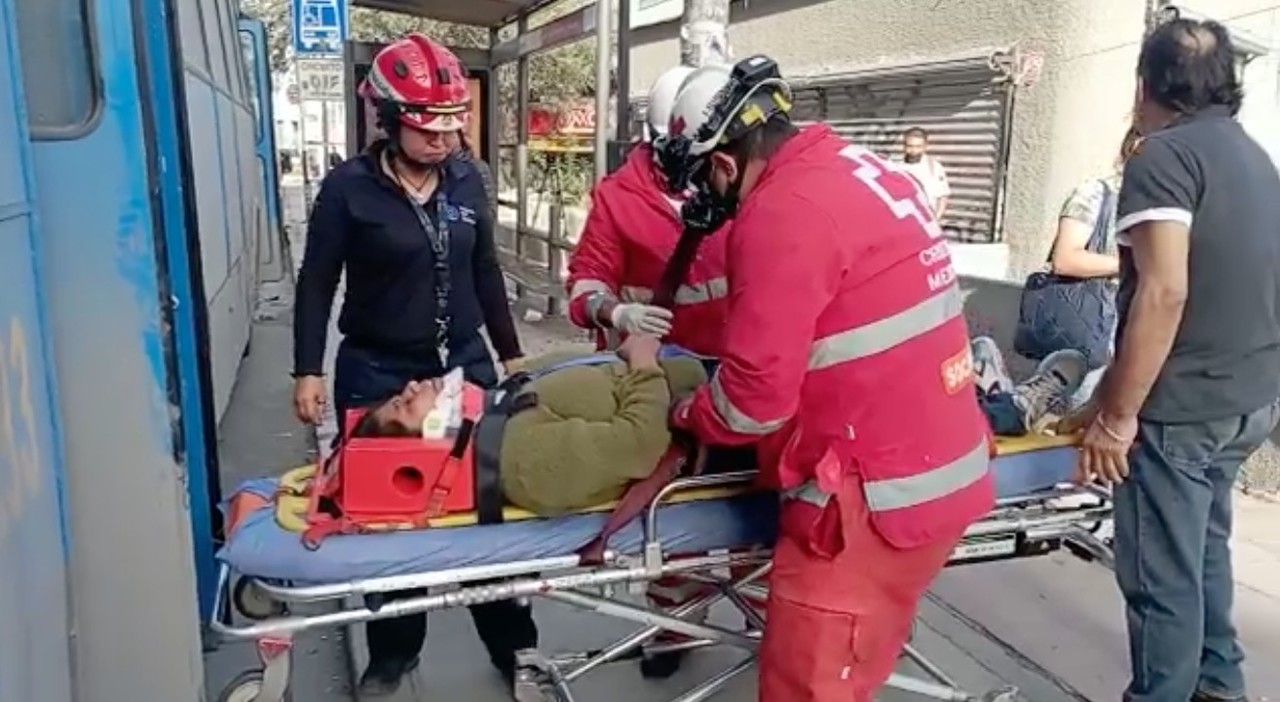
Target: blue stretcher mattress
259,547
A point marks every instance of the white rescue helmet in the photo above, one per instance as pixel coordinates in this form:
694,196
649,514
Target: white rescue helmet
662,97
718,103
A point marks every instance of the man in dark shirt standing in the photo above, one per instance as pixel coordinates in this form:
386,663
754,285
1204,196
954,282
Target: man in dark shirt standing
1194,385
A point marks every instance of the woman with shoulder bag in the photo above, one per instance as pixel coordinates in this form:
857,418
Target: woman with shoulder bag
1071,305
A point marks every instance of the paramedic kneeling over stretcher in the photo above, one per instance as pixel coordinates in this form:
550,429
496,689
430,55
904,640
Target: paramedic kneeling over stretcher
584,433
847,359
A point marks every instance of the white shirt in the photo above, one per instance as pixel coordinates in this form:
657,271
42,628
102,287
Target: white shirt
931,176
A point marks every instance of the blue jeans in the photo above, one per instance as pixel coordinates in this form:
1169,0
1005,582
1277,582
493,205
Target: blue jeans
1173,561
1002,414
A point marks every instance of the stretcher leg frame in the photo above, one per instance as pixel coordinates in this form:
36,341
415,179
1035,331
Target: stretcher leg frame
1017,527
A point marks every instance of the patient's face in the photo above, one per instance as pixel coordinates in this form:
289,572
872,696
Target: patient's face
404,413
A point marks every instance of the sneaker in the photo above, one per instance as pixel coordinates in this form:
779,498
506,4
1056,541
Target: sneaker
383,678
1056,379
989,371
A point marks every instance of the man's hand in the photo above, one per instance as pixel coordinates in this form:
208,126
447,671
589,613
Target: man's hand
1104,452
640,351
679,416
309,398
637,318
511,366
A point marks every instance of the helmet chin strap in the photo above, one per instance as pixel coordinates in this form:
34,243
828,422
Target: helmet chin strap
397,152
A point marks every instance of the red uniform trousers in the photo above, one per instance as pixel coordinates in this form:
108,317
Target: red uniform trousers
837,623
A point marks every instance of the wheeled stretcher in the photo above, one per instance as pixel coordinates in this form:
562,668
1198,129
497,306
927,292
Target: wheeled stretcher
698,529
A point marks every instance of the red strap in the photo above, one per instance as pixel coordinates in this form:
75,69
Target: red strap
320,531
677,268
449,472
637,497
443,486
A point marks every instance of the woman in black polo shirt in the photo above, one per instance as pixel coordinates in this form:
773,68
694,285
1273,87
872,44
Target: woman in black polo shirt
412,228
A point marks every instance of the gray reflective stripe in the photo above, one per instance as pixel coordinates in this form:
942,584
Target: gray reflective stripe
859,342
632,293
884,334
809,492
706,291
690,294
736,419
896,493
913,490
587,286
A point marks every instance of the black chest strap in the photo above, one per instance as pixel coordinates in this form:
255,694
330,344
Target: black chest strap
500,404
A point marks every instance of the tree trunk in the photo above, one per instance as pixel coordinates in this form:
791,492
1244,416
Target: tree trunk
704,33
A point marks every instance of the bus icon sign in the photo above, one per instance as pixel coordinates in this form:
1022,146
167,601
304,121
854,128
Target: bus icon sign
320,27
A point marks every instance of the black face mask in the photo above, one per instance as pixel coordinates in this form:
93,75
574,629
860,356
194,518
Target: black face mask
706,210
913,158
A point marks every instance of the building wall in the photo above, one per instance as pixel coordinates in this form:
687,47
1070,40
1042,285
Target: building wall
1067,126
1257,22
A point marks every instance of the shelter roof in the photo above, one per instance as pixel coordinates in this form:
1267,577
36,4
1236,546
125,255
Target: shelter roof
484,13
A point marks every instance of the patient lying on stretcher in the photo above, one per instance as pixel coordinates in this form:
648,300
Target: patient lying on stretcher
582,434
585,432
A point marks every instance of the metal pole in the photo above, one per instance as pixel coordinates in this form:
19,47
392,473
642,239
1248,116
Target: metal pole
604,12
522,143
324,139
491,110
624,70
704,33
302,140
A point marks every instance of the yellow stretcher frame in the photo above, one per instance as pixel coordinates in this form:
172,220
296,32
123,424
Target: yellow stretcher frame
291,498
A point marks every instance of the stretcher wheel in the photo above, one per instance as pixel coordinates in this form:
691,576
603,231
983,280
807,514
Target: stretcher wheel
253,602
1008,694
245,688
544,692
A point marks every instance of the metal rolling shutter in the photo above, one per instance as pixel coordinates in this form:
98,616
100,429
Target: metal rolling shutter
963,105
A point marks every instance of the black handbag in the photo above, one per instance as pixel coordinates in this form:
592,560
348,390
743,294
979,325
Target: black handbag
1061,312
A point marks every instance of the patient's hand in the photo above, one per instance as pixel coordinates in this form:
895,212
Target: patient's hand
640,351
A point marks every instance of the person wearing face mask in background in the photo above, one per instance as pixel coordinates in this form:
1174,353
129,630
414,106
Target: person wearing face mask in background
413,230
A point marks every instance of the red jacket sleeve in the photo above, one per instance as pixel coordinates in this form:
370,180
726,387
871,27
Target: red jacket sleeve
784,269
597,261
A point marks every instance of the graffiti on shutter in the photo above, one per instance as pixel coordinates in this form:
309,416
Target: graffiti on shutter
964,111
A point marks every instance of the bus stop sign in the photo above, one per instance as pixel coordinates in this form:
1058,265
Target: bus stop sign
320,27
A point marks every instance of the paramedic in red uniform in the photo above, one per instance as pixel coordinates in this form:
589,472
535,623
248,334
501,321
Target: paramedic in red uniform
630,233
846,358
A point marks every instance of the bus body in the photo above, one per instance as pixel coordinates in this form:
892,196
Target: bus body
134,223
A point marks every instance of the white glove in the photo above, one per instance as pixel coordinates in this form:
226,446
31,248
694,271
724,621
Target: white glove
637,318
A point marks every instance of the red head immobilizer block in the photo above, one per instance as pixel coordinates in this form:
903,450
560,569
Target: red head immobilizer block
403,477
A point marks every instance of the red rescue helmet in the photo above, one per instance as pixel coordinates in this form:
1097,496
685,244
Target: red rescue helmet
420,82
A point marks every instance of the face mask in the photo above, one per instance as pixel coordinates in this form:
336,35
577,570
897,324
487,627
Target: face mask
913,158
706,210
